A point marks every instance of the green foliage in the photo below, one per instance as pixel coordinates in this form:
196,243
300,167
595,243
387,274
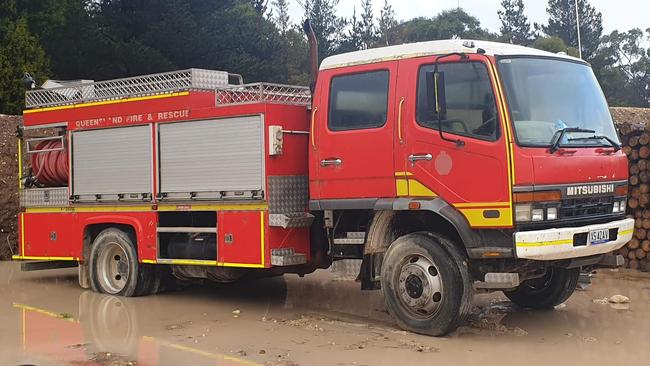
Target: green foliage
327,25
448,24
562,23
515,27
20,52
281,15
626,78
555,45
387,25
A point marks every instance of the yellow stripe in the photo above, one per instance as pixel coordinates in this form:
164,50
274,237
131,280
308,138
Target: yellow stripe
241,265
547,243
44,312
482,204
403,174
476,218
126,208
27,257
626,232
148,261
20,164
94,104
22,234
262,227
417,189
506,123
402,187
24,330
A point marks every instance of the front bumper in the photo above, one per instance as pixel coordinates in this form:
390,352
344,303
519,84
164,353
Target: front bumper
554,244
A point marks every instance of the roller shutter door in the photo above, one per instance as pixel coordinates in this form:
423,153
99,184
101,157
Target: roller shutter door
212,155
112,161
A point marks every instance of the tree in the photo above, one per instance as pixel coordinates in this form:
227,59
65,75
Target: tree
626,79
260,6
446,25
515,27
387,25
368,29
281,18
327,25
554,45
20,52
562,23
353,40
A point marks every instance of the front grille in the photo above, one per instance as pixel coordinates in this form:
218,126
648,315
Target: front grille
588,206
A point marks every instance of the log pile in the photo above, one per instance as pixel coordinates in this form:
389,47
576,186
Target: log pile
636,145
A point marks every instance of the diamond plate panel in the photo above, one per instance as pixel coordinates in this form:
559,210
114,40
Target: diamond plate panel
44,197
263,92
288,194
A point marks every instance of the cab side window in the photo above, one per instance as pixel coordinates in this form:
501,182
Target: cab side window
471,106
358,101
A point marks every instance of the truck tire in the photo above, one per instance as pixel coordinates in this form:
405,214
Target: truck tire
554,288
114,267
423,285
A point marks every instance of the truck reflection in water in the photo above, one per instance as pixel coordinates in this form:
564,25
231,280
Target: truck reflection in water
106,331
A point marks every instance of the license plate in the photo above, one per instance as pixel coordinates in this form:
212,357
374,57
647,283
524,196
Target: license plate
598,236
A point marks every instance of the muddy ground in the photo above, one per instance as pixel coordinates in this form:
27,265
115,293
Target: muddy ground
8,184
46,319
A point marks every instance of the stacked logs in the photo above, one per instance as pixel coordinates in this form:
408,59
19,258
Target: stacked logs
636,145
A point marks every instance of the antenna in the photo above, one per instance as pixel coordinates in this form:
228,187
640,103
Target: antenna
578,28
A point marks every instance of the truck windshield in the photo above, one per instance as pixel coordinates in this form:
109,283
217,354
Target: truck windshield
551,99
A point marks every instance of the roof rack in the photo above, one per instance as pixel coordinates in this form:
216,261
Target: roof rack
263,93
161,83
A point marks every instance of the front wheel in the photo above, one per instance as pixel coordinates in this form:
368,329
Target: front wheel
423,285
557,285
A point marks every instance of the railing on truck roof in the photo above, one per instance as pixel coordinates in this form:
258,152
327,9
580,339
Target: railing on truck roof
263,93
144,85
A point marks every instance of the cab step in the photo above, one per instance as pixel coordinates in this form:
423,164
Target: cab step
287,257
351,238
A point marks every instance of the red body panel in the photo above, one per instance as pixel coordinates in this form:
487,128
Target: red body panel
454,170
537,166
367,168
241,238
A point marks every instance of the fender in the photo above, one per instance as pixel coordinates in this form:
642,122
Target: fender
145,234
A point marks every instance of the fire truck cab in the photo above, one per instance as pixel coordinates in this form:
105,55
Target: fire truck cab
446,167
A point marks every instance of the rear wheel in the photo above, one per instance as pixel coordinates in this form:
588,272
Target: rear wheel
423,285
114,267
557,285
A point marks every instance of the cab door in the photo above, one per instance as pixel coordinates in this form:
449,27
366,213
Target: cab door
354,153
468,165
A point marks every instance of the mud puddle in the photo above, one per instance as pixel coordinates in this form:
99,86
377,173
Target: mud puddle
46,319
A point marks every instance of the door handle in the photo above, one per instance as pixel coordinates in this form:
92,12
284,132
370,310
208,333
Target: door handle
420,157
331,162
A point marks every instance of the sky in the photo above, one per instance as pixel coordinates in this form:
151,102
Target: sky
616,13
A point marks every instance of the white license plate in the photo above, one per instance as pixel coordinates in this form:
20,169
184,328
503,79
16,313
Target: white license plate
599,236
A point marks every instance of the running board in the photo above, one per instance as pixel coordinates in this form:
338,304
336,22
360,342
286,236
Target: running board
44,265
498,281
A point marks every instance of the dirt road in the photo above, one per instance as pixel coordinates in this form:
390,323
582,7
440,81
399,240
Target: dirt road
46,319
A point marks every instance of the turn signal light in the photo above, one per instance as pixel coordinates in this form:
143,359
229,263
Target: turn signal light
542,196
621,190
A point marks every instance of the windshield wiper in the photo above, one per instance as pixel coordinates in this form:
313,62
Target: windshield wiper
613,143
556,143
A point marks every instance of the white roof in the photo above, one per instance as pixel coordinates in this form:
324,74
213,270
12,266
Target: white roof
430,48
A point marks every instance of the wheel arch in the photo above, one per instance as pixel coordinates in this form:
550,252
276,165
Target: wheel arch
397,219
93,227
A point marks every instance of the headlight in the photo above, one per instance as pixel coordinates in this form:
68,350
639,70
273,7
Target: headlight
523,212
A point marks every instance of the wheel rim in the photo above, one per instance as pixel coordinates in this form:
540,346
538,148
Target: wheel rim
420,286
113,268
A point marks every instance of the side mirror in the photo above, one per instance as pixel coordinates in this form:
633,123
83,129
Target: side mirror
436,92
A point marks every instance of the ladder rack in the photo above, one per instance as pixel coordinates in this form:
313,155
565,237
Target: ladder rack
145,85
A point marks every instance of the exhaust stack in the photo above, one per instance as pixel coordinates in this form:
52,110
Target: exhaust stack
313,50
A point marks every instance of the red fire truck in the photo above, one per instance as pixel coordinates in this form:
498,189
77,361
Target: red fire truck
446,166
